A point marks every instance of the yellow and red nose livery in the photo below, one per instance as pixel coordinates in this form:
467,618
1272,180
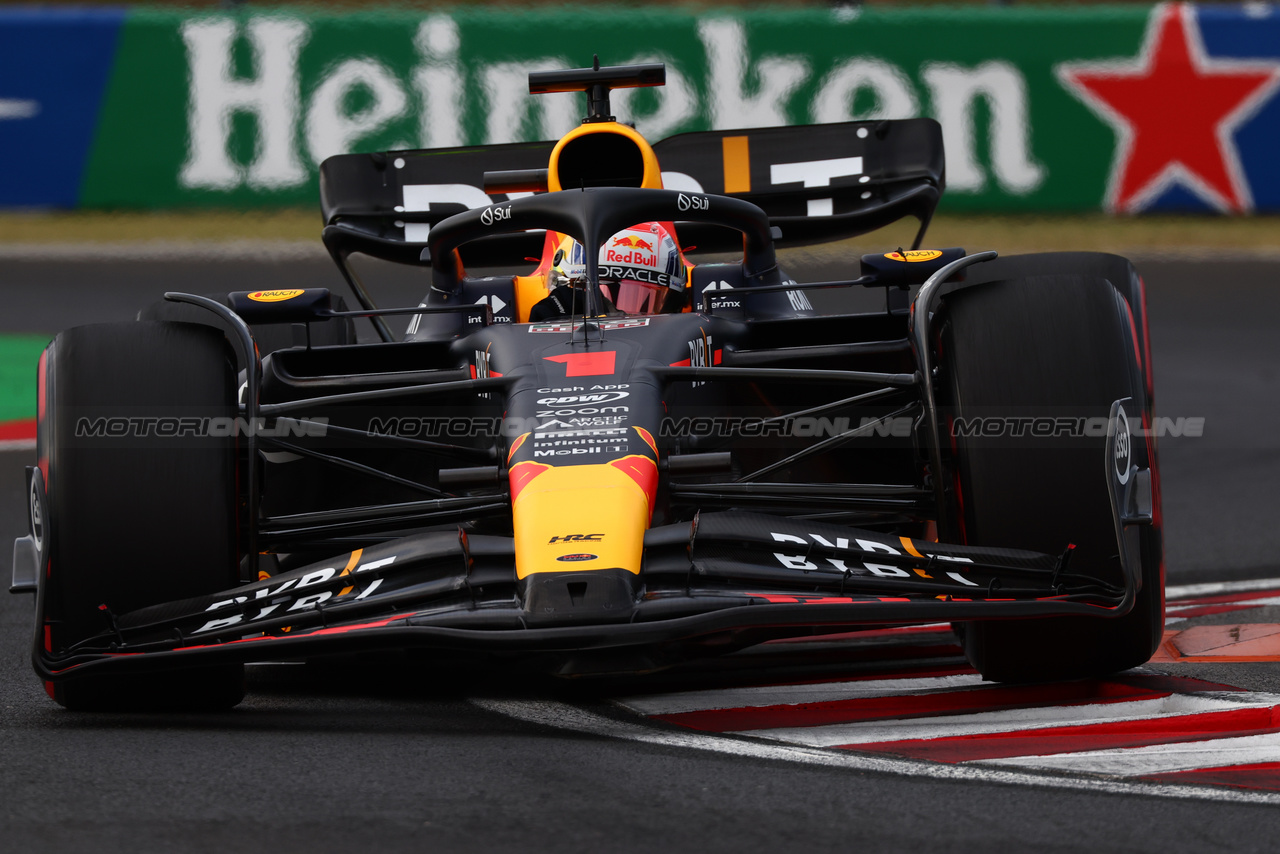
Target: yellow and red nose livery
582,517
521,473
515,446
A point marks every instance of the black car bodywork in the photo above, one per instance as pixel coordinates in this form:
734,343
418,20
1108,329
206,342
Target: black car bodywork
749,469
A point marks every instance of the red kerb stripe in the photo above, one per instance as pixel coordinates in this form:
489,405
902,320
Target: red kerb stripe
1069,739
909,706
1263,775
1227,598
21,430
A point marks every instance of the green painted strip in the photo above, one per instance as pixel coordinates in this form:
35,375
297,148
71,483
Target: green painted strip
19,356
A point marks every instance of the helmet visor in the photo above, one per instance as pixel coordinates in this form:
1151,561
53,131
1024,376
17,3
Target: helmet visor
635,297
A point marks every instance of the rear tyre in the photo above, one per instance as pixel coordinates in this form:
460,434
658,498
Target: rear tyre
268,336
142,516
1053,346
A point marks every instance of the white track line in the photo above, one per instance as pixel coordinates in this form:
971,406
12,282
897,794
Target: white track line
1195,591
1240,603
783,695
1157,758
565,717
1021,721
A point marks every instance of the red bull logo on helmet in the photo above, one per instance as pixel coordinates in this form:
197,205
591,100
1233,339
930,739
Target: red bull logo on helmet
643,253
631,248
633,242
637,258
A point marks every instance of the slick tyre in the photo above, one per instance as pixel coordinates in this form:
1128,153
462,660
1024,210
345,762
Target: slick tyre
1115,269
138,513
1054,346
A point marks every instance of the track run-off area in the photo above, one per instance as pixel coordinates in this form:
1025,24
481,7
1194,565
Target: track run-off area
921,711
881,740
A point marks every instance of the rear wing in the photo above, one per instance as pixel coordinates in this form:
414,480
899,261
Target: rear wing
816,183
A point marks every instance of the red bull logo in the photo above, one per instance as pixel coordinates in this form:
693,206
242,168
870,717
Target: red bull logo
630,240
636,258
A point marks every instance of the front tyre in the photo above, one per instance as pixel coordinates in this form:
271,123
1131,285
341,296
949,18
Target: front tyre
1053,346
141,497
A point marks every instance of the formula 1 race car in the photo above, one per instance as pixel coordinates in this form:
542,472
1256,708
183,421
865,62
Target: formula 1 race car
619,460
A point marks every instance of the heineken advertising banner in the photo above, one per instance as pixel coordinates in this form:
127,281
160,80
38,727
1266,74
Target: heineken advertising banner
1127,109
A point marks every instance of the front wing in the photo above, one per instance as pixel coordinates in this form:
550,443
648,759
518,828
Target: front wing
721,582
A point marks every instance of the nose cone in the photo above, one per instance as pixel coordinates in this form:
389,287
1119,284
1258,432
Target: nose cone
579,518
570,598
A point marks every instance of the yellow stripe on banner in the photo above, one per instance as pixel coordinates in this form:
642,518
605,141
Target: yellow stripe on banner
911,550
351,564
737,164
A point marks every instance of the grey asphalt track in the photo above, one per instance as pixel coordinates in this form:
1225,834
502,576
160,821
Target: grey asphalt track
344,758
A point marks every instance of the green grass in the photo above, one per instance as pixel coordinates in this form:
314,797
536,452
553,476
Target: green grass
1148,235
132,226
19,355
1008,233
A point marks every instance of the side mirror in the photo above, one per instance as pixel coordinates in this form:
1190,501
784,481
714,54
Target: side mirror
907,267
286,305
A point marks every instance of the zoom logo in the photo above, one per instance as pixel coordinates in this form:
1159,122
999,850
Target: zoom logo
695,203
495,214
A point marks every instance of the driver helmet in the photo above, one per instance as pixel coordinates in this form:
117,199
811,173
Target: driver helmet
569,266
640,267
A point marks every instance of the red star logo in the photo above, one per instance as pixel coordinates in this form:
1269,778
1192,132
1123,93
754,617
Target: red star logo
1174,111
